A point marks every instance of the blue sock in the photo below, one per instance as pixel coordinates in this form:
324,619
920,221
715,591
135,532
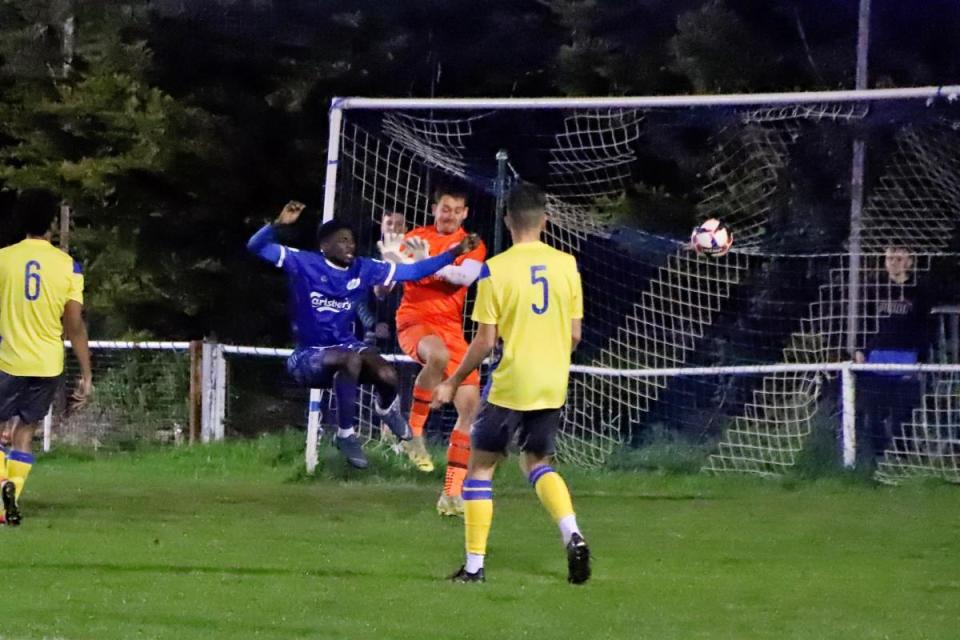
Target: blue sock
346,390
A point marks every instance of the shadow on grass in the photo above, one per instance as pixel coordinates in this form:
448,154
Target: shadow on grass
198,570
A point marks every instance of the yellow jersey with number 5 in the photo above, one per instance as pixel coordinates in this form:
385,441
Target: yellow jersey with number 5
36,281
532,293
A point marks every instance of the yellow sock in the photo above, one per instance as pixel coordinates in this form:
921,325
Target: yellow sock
477,514
19,464
552,491
3,462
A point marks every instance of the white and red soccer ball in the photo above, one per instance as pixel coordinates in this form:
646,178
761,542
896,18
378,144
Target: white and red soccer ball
711,237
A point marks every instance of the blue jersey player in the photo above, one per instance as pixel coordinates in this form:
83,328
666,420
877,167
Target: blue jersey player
326,286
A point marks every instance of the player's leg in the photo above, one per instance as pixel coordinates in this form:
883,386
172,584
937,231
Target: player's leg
432,352
19,464
467,401
29,399
340,368
6,438
426,347
383,376
9,388
347,365
6,433
9,391
537,441
489,439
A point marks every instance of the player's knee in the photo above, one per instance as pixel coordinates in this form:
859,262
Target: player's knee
388,376
467,401
352,364
22,439
530,461
438,358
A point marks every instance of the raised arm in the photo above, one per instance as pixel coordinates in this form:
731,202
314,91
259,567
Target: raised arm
263,243
424,268
464,274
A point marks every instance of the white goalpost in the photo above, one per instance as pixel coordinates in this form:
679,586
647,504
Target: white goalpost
757,161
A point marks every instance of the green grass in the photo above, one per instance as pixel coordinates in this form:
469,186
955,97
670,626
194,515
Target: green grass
232,542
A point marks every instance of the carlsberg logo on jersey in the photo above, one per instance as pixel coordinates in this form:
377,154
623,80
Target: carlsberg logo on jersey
321,303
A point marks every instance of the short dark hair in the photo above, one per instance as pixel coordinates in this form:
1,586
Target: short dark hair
526,205
35,210
330,227
446,189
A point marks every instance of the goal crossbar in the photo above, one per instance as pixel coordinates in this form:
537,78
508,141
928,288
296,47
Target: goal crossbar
948,92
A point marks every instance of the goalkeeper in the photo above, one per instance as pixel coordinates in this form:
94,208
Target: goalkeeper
430,331
325,289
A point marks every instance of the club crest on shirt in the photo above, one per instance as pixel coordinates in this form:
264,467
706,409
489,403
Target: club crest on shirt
353,284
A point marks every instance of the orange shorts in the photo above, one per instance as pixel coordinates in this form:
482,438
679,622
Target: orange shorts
409,337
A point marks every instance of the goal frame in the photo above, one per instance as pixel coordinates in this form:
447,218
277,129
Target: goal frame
340,105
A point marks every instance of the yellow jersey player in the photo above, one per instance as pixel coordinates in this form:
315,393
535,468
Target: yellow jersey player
531,297
41,298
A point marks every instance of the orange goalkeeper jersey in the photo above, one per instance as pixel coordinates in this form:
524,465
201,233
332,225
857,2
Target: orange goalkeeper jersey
432,300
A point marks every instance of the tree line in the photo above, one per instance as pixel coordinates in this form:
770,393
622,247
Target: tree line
174,128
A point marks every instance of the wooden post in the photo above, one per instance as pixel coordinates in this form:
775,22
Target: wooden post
196,396
65,212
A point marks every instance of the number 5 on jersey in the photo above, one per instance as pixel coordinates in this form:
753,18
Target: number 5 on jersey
31,280
542,281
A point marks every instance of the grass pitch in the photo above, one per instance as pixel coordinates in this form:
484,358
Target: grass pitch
231,541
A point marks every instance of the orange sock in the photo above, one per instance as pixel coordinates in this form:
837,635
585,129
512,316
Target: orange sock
420,410
458,454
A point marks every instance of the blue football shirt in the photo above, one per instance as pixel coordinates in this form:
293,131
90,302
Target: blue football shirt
324,297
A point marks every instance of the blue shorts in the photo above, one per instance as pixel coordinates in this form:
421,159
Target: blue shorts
26,397
305,365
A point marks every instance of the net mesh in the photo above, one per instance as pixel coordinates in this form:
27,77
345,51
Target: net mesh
624,188
141,395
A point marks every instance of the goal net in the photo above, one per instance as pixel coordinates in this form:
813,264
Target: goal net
626,181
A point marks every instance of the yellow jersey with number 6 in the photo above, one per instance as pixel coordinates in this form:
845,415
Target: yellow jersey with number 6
36,281
532,293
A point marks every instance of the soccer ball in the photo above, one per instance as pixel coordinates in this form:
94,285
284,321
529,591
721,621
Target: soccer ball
711,237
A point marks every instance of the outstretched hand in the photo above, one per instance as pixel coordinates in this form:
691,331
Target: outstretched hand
470,242
291,212
392,249
417,248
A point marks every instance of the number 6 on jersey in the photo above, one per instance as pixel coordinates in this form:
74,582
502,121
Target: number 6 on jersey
31,280
541,280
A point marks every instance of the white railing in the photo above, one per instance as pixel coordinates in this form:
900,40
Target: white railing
210,360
